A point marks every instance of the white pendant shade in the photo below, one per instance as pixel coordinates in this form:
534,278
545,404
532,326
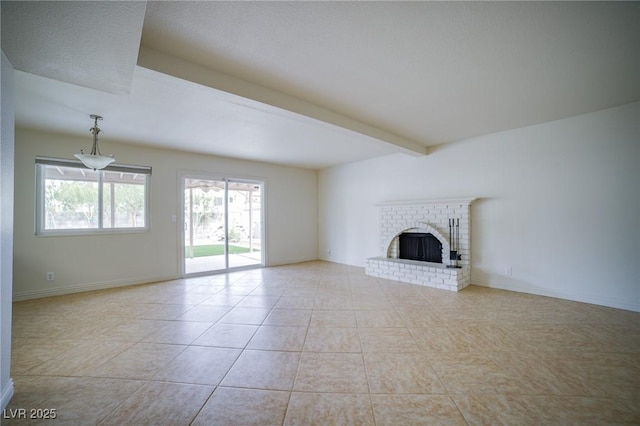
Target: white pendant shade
95,162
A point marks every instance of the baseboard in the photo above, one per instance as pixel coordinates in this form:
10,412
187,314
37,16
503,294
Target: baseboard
359,264
283,262
7,394
78,288
601,301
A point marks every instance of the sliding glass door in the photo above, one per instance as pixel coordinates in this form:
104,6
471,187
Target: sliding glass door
222,224
244,207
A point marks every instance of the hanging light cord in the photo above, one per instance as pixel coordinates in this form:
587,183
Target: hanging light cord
95,130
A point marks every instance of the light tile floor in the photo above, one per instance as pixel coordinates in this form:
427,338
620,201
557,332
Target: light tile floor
321,343
216,263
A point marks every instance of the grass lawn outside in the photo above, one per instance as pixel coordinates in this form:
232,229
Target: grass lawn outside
215,250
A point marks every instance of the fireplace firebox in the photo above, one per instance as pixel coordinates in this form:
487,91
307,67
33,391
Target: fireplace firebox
420,246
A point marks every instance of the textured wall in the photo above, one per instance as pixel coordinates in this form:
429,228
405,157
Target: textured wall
557,212
94,261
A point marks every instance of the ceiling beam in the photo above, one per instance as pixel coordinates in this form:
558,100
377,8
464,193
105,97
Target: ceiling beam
170,65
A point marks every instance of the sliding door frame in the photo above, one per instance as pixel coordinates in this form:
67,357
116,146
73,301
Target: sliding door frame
183,175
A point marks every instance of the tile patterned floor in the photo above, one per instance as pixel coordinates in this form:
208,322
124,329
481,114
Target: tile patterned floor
321,343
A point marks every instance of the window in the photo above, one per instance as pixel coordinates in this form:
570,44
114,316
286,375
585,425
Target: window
74,199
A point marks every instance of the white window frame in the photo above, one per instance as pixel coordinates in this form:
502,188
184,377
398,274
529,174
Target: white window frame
100,230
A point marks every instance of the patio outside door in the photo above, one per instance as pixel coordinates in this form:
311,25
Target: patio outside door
222,225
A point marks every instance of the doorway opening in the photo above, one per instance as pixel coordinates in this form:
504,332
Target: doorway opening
223,224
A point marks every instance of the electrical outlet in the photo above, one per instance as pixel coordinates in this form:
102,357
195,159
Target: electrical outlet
509,271
50,276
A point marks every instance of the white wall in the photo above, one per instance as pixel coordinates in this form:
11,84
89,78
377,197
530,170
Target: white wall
6,227
559,203
291,219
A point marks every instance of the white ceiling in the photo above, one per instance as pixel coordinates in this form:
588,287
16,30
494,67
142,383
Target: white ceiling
85,43
173,113
314,84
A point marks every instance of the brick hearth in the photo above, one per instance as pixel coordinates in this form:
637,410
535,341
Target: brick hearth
429,216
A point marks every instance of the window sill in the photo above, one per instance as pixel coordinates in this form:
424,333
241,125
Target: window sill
91,232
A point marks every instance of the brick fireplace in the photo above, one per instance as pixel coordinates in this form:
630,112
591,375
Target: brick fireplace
424,217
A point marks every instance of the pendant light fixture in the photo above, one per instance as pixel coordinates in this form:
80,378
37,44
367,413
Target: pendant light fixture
95,160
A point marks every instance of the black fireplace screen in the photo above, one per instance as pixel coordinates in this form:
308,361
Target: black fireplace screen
420,246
